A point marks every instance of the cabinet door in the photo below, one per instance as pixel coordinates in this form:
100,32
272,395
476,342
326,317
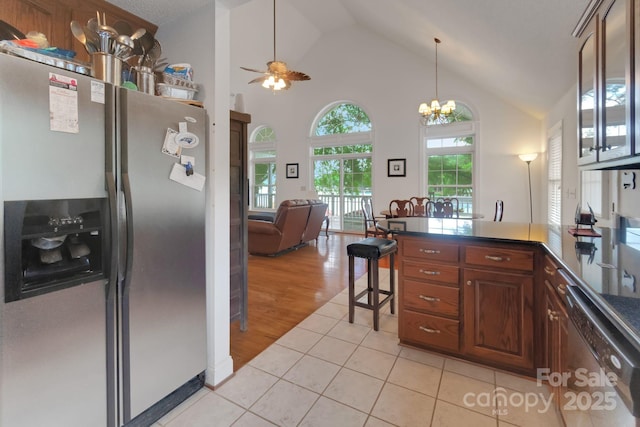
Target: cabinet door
498,317
49,17
555,331
615,106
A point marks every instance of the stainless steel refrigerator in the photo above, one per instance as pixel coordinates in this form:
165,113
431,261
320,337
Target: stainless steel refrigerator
102,305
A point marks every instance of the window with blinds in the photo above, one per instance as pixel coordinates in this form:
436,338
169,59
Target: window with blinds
554,191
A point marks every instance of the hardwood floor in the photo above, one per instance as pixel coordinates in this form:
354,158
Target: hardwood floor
284,290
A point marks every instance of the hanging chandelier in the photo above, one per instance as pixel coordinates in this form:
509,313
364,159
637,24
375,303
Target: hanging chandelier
434,112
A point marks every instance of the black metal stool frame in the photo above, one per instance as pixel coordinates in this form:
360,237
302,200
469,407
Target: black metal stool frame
373,290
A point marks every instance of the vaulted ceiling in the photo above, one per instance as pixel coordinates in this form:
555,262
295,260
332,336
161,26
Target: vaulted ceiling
522,50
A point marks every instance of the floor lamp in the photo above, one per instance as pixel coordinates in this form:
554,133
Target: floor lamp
528,158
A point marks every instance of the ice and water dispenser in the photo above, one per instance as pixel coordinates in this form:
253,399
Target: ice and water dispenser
53,244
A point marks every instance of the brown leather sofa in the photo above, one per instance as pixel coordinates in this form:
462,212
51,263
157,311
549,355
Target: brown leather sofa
295,223
316,219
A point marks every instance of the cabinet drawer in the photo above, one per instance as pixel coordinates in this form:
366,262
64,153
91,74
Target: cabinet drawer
432,298
431,272
430,250
431,330
499,258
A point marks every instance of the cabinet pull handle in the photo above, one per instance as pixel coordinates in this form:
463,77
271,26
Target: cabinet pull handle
429,273
429,251
429,330
553,315
549,271
497,258
430,299
469,283
562,289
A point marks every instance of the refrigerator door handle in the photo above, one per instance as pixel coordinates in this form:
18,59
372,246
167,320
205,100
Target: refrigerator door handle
126,189
113,213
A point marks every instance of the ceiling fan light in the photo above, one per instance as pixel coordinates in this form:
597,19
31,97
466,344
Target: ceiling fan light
281,84
265,84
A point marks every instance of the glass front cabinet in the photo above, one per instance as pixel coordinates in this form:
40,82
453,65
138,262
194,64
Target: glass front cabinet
607,133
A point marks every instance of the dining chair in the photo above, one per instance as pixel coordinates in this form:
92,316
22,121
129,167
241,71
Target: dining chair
419,205
400,208
497,216
447,207
370,220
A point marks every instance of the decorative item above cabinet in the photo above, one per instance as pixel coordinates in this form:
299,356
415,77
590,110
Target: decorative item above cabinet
608,137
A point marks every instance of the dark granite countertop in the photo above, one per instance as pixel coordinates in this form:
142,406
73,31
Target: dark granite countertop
607,268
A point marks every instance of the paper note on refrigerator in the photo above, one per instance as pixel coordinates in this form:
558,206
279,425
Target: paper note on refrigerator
179,174
63,104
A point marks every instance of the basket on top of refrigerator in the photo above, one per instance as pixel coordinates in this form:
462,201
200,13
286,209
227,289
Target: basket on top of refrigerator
177,82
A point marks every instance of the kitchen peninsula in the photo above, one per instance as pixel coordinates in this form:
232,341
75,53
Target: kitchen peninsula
479,289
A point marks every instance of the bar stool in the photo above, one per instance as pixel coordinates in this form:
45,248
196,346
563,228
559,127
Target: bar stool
373,249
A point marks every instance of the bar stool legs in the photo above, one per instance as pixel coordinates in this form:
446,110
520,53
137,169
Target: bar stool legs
372,249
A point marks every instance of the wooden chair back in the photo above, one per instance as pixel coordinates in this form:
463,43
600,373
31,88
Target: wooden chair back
401,208
419,205
370,221
497,216
447,207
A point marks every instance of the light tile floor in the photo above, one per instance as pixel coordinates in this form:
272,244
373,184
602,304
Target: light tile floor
328,372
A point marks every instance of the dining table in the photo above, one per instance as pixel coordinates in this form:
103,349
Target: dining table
462,215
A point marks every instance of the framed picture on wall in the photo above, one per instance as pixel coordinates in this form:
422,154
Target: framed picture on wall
396,167
292,170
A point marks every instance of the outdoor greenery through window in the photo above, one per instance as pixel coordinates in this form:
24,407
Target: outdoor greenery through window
343,118
449,151
262,151
341,151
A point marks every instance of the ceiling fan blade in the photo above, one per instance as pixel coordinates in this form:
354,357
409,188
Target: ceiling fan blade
253,70
296,75
259,79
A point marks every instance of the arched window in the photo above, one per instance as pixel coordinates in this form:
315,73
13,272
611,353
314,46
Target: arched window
449,148
341,150
262,168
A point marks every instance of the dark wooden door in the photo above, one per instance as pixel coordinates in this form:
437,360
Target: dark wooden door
498,317
239,205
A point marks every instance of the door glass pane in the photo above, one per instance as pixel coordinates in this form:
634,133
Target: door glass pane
587,97
615,88
264,187
357,183
342,184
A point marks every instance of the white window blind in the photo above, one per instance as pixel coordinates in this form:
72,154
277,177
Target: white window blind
554,192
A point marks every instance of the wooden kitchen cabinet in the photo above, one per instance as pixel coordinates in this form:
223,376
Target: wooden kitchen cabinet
468,299
53,18
45,16
607,85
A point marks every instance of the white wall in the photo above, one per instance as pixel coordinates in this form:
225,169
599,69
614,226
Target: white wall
389,83
202,39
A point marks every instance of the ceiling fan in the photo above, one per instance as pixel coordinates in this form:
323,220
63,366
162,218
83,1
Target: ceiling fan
277,76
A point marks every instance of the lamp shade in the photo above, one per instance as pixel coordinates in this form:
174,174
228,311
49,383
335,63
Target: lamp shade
528,157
